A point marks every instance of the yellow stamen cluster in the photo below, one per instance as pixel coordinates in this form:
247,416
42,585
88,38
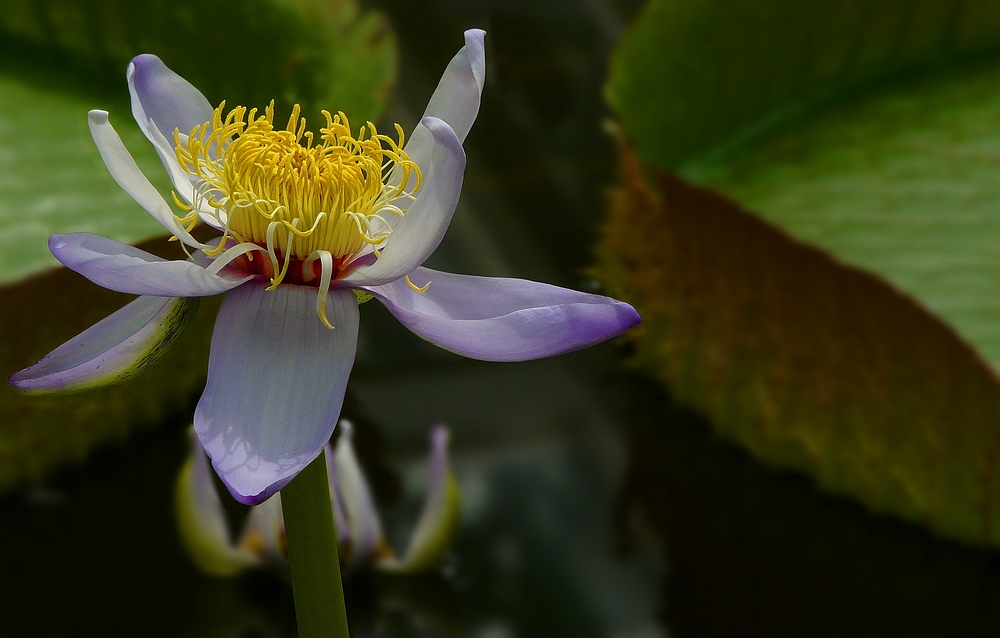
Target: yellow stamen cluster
279,190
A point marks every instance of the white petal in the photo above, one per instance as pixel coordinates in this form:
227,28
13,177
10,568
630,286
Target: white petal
125,171
202,522
456,98
276,382
264,532
359,506
343,530
183,182
422,228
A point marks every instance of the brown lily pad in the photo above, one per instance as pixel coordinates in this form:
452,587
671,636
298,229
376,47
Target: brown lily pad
38,434
812,364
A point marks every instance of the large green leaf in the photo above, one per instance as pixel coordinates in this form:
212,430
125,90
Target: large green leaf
808,363
693,75
53,180
320,53
864,129
905,183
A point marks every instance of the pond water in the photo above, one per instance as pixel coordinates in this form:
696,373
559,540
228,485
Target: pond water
593,506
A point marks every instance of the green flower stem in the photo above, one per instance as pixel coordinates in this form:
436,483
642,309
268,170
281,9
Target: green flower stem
312,554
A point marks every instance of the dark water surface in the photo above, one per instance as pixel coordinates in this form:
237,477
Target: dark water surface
593,506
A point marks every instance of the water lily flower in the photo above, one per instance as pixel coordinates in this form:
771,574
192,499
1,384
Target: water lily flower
206,534
309,225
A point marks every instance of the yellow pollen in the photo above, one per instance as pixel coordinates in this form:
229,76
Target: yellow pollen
291,194
417,288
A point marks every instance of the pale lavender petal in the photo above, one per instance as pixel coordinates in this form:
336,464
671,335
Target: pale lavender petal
264,531
423,226
276,382
205,499
456,99
117,266
359,505
439,521
201,520
118,347
127,174
162,102
184,182
343,530
497,319
160,95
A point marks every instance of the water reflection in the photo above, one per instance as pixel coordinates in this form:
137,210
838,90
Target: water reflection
596,525
538,452
756,552
532,558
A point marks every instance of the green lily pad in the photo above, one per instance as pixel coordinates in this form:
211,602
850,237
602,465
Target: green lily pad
692,76
905,183
849,325
53,180
328,55
319,53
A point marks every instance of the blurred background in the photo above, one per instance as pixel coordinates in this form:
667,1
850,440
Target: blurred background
799,198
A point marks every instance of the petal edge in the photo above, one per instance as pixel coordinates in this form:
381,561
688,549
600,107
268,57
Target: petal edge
127,175
118,347
276,383
499,319
123,268
424,225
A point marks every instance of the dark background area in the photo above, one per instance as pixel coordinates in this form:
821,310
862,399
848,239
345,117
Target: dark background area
593,505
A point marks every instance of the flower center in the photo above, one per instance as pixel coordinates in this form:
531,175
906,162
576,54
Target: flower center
278,189
315,205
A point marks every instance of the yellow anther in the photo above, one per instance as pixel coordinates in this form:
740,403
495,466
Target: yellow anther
327,192
181,205
415,287
326,272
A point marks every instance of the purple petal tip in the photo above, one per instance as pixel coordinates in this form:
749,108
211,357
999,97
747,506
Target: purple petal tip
439,434
56,242
256,499
631,318
444,135
16,379
142,61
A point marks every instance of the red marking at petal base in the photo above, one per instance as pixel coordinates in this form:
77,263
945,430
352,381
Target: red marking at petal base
259,264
